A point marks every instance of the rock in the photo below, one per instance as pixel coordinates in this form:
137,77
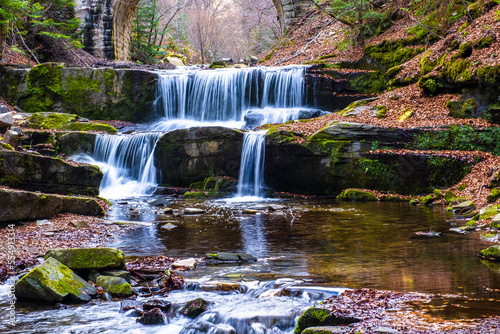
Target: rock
187,263
118,273
194,308
17,130
107,297
494,195
254,59
93,275
488,212
229,258
160,202
166,211
491,253
222,286
175,61
356,195
464,207
74,142
43,222
54,282
325,330
88,258
152,317
495,222
163,305
11,137
314,317
3,109
187,156
79,224
6,120
414,201
193,211
116,286
168,226
130,304
249,211
25,205
50,175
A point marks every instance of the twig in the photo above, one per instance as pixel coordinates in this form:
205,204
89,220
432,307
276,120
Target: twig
72,51
24,43
468,13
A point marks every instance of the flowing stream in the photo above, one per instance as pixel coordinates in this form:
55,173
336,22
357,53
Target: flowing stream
307,250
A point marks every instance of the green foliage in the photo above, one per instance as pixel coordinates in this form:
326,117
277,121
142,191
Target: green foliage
427,65
393,53
462,138
465,49
448,171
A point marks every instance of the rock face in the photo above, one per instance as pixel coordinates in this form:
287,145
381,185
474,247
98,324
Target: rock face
88,258
102,93
25,205
339,157
186,156
54,282
38,173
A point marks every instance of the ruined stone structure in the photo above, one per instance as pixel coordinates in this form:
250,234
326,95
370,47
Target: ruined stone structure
107,25
288,11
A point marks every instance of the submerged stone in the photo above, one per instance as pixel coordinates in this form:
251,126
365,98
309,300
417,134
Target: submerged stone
54,282
224,257
89,258
314,317
194,308
116,286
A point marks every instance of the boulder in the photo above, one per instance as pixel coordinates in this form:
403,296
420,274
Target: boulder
175,61
186,156
88,258
116,286
464,207
54,282
491,253
3,109
193,211
160,202
356,195
6,120
222,286
163,305
24,205
314,317
118,273
38,173
194,308
11,137
152,317
325,330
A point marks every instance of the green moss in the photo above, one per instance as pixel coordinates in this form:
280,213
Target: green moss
356,195
449,196
471,223
88,258
465,49
491,252
393,71
380,111
369,83
44,83
314,317
352,106
489,74
427,200
485,42
393,53
6,146
445,171
427,65
59,121
197,185
327,57
489,212
217,64
457,71
10,180
116,286
195,194
494,195
428,84
407,113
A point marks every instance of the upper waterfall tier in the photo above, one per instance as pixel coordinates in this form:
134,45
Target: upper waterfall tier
226,94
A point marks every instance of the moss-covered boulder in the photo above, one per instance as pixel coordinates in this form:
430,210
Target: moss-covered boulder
488,212
491,253
325,330
225,257
61,121
50,175
152,317
494,195
495,222
356,195
464,207
187,156
116,286
314,317
88,258
19,205
54,282
194,308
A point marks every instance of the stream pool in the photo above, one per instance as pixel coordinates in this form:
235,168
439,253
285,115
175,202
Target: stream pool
312,248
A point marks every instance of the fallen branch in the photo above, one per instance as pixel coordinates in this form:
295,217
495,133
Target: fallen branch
27,48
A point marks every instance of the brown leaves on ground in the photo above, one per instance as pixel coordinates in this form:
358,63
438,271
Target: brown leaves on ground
393,309
32,240
158,263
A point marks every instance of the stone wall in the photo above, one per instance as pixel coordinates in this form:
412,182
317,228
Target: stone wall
288,11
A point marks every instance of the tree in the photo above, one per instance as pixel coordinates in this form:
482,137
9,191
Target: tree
11,12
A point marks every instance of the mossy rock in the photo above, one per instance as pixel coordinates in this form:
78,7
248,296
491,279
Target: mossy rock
491,253
325,330
427,200
449,196
197,185
195,194
54,282
217,64
485,42
314,317
494,195
60,121
89,258
391,198
465,49
356,195
116,286
489,212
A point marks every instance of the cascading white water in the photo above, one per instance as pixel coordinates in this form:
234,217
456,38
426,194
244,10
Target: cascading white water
236,98
251,177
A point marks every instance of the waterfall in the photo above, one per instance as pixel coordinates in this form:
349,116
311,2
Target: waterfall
236,98
251,177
